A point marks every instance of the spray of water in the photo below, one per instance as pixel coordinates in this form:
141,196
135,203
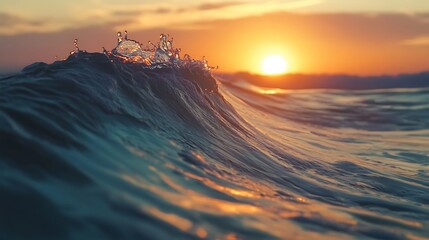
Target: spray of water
160,54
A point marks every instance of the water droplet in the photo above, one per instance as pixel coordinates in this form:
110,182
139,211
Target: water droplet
205,63
153,45
177,53
163,43
120,37
76,47
187,58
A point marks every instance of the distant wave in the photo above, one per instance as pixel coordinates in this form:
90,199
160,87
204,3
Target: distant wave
327,81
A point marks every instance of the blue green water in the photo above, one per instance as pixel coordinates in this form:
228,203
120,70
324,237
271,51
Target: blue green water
95,149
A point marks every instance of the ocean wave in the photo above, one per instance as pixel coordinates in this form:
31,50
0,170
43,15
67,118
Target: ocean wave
94,147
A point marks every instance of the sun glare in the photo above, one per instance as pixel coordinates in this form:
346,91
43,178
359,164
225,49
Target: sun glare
273,65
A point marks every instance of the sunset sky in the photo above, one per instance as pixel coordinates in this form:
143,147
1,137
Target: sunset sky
364,37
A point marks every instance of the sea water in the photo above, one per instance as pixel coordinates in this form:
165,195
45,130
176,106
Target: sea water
141,143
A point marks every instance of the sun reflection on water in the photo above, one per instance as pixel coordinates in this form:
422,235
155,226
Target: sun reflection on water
271,211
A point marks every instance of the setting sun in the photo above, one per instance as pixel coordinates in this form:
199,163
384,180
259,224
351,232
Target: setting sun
274,64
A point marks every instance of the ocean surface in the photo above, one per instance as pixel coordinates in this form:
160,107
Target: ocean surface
98,149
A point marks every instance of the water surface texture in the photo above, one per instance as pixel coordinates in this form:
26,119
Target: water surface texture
97,149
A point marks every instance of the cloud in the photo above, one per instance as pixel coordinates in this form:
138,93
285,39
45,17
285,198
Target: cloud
134,12
11,24
212,6
162,10
171,10
127,13
418,41
9,20
192,16
208,7
423,17
136,16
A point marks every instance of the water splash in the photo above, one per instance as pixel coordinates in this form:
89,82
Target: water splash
131,51
76,47
161,54
119,37
153,55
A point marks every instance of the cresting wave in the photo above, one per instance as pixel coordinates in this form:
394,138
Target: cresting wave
142,144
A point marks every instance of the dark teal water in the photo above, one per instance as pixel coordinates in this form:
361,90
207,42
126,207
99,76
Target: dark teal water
94,149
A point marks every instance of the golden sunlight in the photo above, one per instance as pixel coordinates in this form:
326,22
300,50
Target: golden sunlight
273,65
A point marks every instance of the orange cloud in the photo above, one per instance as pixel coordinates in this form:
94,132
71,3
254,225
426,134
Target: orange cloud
417,41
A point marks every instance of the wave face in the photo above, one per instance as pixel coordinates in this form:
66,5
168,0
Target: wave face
95,149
